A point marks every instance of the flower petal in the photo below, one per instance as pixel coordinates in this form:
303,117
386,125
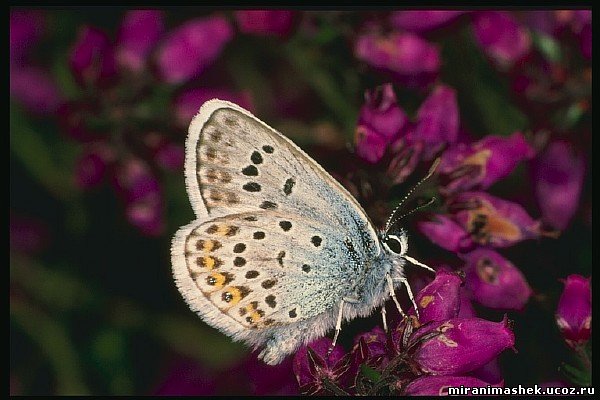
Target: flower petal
494,281
190,49
422,20
92,58
463,344
574,311
558,175
440,299
483,163
446,233
139,32
265,22
501,37
437,120
408,57
493,221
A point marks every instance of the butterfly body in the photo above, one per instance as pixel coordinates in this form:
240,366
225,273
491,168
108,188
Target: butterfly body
278,245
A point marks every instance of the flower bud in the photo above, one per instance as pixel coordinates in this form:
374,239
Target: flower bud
574,311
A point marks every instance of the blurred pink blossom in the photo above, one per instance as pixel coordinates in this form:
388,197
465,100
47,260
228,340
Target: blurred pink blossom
189,49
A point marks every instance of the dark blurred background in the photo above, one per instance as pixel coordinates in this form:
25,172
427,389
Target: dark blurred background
100,103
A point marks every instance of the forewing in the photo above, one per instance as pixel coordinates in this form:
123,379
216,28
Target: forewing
236,163
262,269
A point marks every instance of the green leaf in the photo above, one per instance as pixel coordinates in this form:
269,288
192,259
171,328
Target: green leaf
63,76
54,341
53,287
44,157
194,339
110,351
308,64
370,373
576,375
546,45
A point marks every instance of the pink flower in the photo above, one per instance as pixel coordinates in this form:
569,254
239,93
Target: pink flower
188,50
493,221
501,37
574,311
370,146
26,27
381,112
35,89
140,30
92,58
437,121
446,233
405,55
585,41
91,168
558,177
483,163
440,299
423,20
380,121
494,281
265,22
142,196
463,345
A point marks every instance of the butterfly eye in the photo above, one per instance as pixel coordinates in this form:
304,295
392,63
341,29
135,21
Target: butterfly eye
393,244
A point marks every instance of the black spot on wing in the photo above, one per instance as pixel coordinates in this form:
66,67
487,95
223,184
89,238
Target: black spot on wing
268,205
256,158
288,185
250,170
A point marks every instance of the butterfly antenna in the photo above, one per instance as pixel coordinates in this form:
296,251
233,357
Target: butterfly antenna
391,220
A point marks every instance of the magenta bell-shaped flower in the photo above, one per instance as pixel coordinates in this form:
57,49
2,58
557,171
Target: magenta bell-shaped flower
92,58
423,20
462,345
501,37
380,122
480,164
494,281
446,233
493,221
437,121
405,55
440,299
558,176
574,311
190,49
138,34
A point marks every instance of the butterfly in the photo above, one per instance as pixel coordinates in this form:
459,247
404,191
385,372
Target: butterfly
280,252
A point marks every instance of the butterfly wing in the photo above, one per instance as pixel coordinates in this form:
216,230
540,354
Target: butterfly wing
236,163
271,222
263,269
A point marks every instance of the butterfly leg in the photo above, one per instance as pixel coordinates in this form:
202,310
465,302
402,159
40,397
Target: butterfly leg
383,316
418,263
338,327
393,294
410,294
